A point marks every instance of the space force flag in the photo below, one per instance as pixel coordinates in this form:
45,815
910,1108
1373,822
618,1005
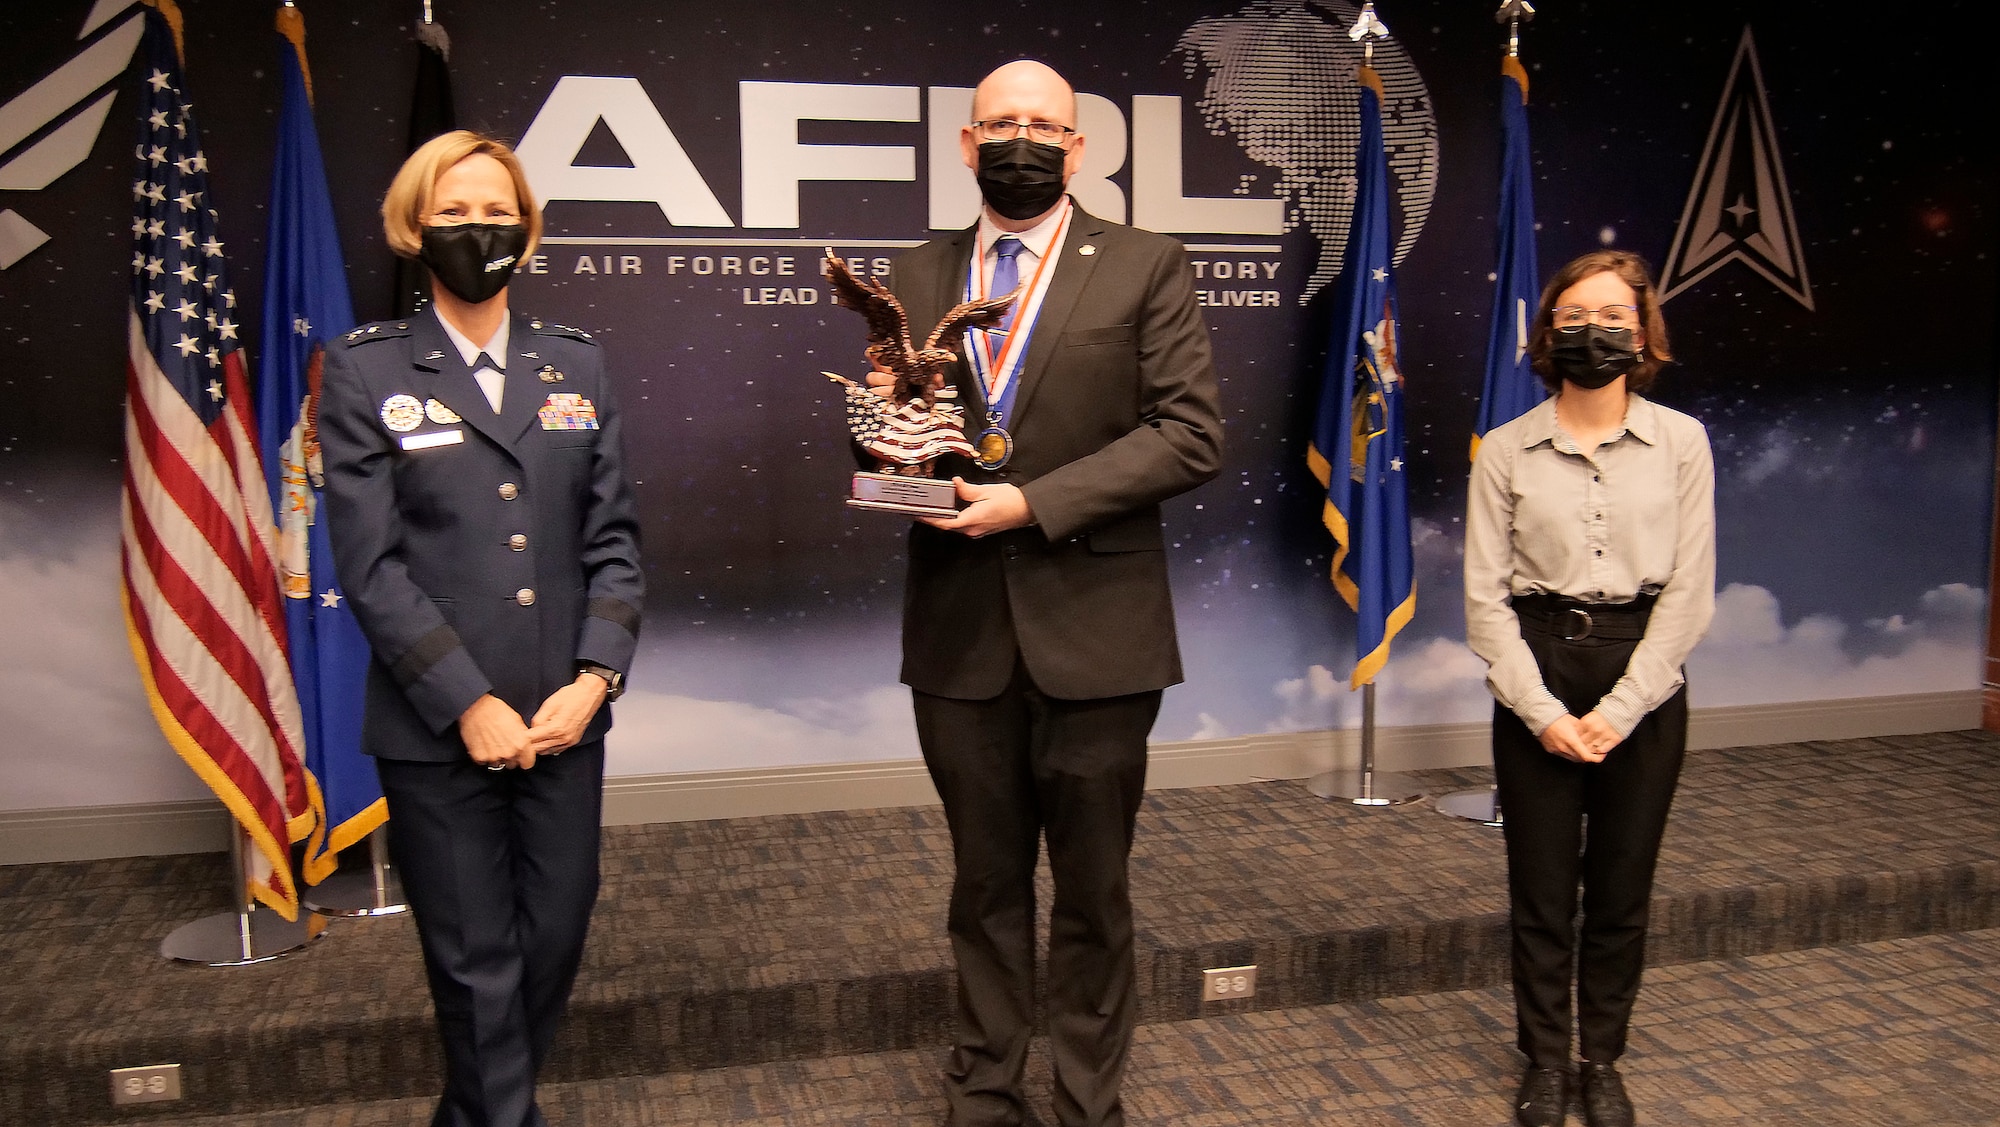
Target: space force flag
306,304
1511,387
197,540
1357,447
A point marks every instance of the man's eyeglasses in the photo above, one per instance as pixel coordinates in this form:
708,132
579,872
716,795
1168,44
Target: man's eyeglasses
1006,129
1617,318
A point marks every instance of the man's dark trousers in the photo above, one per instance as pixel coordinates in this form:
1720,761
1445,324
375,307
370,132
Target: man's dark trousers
1010,769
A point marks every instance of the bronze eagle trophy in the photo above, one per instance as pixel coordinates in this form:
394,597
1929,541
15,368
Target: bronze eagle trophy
920,419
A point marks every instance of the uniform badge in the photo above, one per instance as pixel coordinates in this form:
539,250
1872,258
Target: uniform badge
566,410
402,412
439,413
550,375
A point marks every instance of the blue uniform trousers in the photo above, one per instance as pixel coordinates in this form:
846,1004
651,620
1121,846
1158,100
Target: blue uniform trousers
501,871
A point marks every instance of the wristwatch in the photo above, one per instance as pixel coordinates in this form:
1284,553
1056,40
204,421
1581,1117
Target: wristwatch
614,680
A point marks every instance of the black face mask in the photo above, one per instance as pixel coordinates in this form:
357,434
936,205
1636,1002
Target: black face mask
1593,356
1020,178
474,260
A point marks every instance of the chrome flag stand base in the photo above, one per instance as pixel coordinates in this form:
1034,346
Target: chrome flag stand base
250,934
1480,804
378,891
1365,786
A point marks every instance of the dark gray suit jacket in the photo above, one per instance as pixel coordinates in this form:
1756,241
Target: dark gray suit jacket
1116,412
491,563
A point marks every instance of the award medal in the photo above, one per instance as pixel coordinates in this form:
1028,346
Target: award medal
402,413
995,372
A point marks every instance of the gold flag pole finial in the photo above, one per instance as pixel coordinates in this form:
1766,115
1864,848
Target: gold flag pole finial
172,12
1514,13
1368,27
292,25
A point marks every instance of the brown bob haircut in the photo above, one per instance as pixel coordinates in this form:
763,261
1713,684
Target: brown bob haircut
409,198
1630,269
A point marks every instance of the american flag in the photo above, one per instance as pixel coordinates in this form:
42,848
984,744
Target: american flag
202,606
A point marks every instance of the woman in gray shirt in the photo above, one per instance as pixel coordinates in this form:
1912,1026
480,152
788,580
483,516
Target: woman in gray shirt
1589,576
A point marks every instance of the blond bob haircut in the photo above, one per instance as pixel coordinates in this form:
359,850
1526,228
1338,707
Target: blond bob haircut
1630,269
409,198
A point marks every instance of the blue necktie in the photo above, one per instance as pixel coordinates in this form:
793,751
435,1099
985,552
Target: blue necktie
1006,276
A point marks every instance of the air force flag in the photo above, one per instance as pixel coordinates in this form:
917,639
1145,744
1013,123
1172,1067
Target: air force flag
1510,386
305,304
1357,449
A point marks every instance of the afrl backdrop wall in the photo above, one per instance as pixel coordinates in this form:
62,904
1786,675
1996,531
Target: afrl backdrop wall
697,158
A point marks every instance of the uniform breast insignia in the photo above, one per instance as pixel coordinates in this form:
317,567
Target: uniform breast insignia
439,413
566,410
550,375
402,413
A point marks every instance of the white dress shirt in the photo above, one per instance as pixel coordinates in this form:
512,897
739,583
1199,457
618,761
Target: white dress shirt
492,382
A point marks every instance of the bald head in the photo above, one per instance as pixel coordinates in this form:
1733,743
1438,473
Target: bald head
1025,90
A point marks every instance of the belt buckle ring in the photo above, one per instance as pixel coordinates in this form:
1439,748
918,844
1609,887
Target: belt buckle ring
1579,634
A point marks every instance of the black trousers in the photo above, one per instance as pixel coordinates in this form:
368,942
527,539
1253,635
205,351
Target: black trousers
1009,770
501,871
1546,801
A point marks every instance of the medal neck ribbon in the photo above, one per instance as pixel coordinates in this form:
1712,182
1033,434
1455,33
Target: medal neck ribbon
996,372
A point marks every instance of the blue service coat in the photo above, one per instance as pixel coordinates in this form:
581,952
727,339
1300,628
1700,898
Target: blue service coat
481,553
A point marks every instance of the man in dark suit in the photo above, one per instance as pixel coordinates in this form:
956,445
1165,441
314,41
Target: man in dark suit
1038,629
485,535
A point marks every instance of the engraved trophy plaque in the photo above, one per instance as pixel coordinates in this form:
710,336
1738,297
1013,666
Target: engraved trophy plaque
918,421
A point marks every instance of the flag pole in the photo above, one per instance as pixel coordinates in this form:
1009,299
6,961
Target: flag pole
374,891
1375,329
249,933
1365,785
1482,804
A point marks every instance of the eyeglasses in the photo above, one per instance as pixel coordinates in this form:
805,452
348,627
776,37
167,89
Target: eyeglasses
1617,318
1040,132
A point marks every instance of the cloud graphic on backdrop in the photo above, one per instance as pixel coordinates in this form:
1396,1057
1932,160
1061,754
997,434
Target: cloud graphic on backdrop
664,733
59,613
1749,657
1280,81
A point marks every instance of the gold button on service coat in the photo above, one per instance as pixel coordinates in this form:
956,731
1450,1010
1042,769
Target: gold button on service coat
525,596
509,491
518,542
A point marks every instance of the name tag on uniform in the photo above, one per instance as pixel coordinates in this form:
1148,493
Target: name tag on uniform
568,410
435,438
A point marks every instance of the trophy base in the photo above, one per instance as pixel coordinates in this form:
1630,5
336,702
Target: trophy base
895,493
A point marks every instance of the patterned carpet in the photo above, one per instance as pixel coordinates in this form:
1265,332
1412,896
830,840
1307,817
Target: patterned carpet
1892,1034
815,938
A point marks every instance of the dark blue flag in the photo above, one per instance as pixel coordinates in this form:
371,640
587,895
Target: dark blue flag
306,304
1510,386
1357,450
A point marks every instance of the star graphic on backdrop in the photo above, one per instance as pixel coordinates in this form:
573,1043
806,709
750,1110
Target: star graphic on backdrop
329,598
1740,210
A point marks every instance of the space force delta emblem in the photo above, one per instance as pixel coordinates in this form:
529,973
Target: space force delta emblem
567,410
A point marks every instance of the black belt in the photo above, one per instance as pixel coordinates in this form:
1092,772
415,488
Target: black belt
1573,620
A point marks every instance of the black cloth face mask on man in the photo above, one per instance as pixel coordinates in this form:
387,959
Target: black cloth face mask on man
1021,178
1593,356
474,260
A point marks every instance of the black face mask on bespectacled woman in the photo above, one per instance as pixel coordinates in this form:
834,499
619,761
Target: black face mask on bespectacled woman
1592,356
1020,178
474,260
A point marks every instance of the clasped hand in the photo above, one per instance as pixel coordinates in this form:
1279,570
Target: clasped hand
495,735
1584,739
